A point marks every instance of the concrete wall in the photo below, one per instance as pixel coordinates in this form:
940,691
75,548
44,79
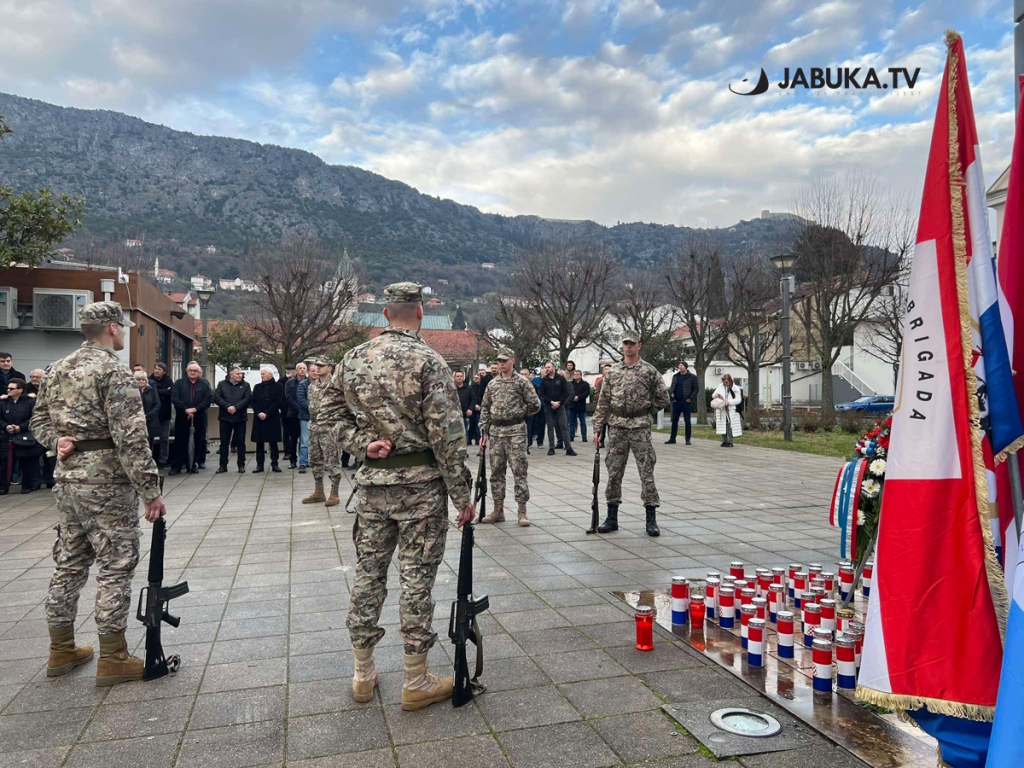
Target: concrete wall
31,348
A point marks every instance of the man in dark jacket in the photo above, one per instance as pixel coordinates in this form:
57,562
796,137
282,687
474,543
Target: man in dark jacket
554,393
302,403
467,402
150,405
191,397
15,414
684,390
267,402
477,387
578,406
8,371
161,382
232,398
292,427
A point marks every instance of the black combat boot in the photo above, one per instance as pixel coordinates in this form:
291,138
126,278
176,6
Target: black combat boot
611,522
652,523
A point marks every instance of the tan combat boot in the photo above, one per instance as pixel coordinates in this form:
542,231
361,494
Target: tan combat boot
523,519
333,497
318,494
116,665
64,654
497,514
421,689
365,678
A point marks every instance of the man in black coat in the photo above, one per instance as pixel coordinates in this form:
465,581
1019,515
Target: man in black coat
292,427
683,391
15,414
467,403
161,382
8,371
477,387
232,398
578,405
267,402
192,398
554,393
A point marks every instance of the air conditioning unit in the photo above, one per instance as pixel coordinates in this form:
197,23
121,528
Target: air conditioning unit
816,365
718,371
56,309
8,307
803,366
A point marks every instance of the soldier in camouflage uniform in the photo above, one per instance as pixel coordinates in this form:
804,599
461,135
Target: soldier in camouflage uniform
89,412
508,400
632,392
393,402
324,456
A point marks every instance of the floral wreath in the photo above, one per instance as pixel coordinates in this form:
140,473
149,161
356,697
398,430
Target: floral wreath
857,497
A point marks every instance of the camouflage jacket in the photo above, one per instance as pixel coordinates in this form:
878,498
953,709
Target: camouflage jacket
630,396
90,395
511,399
397,388
315,395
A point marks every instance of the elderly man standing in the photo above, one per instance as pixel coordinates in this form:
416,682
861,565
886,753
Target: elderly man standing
232,397
192,398
267,402
632,392
89,412
323,444
394,402
292,425
508,400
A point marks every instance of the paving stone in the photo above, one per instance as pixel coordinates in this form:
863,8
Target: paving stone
245,674
579,665
432,723
468,752
696,684
546,641
611,696
555,746
665,656
525,621
40,730
593,614
332,734
561,598
234,746
376,758
526,707
250,705
69,691
323,696
508,674
150,751
114,721
645,736
812,757
35,758
249,649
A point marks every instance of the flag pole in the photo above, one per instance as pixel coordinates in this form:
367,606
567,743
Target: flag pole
1018,499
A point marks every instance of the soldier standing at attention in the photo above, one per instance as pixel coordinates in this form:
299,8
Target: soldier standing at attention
632,392
323,445
90,412
508,399
393,399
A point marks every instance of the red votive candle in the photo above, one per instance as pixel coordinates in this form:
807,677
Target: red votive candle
644,628
697,610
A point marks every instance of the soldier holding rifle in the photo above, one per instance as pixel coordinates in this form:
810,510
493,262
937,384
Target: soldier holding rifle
90,412
393,401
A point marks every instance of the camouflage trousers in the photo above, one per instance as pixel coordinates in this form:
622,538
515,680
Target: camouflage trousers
620,443
502,451
413,518
97,523
324,456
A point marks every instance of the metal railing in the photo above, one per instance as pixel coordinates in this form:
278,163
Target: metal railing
845,372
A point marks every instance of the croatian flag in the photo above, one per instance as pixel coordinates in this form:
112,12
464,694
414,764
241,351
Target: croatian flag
1006,746
1011,285
934,550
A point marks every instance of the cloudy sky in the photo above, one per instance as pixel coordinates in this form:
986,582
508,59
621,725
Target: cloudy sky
611,110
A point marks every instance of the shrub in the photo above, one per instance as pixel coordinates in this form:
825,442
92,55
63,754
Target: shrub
810,422
850,423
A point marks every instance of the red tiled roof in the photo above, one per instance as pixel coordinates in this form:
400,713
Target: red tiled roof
450,344
177,298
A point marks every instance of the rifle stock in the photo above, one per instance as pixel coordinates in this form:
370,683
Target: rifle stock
481,485
595,509
152,610
462,625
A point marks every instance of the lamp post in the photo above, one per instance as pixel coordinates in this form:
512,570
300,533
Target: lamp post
784,262
205,294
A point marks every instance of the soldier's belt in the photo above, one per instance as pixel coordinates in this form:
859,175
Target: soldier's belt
622,413
84,446
506,422
403,461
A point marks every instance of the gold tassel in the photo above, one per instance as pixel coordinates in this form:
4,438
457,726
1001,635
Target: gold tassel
937,706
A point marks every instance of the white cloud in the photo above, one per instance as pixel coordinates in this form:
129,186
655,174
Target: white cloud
634,13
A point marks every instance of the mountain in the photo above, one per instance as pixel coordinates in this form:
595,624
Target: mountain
184,191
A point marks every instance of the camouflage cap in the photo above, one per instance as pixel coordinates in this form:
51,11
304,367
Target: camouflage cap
504,353
632,336
321,361
103,312
404,293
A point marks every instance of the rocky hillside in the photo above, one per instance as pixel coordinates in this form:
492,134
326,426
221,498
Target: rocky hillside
190,190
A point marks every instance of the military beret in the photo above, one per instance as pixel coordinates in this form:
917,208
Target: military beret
103,312
404,293
504,353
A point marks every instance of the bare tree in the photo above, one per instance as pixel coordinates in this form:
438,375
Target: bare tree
515,325
752,344
850,250
643,307
696,283
305,299
570,288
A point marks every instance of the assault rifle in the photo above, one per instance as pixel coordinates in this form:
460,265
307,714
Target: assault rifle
152,610
481,485
463,626
595,509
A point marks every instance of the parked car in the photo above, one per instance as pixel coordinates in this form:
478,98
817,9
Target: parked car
869,404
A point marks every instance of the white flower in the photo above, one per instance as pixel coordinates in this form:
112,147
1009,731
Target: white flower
870,488
877,467
860,518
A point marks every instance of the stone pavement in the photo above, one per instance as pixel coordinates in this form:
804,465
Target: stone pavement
265,678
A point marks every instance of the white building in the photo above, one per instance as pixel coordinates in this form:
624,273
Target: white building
200,282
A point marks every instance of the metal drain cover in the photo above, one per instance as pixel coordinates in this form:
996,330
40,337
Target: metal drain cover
744,722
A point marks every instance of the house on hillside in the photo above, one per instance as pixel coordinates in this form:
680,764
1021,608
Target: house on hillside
211,249
487,265
200,282
132,243
238,284
188,301
166,276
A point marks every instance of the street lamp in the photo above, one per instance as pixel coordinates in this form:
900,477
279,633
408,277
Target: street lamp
784,263
205,294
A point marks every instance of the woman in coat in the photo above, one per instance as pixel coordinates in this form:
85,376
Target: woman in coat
150,406
727,419
267,403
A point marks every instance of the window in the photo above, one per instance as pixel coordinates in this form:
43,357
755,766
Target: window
162,335
182,354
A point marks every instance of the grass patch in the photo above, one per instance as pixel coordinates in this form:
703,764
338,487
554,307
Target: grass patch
819,443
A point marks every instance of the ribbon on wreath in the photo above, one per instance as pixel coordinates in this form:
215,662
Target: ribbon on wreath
846,503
